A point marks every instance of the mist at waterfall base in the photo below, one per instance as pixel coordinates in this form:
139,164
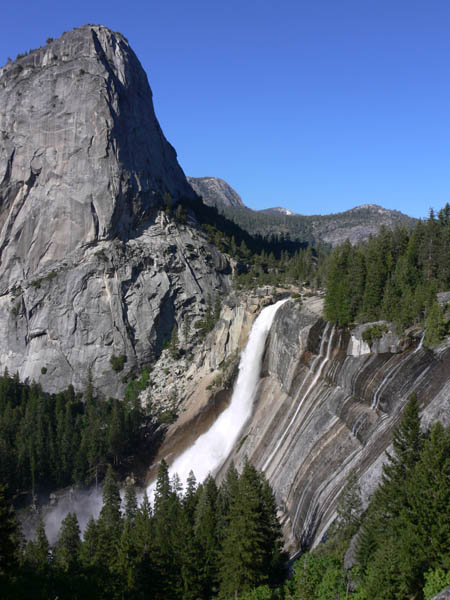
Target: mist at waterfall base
208,453
84,503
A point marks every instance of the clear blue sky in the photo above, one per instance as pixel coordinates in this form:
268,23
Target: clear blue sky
316,105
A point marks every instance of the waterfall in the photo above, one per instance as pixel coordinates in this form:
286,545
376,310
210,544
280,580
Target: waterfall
420,343
208,453
324,358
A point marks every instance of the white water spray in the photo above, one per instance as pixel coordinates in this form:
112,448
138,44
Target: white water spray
325,359
420,343
208,453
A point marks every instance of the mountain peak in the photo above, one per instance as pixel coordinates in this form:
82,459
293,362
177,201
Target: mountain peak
82,156
215,192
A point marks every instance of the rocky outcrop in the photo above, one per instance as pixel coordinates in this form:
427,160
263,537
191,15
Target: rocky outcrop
198,385
356,224
90,266
215,191
278,210
326,403
322,410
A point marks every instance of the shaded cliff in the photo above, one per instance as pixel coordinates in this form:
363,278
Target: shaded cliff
90,266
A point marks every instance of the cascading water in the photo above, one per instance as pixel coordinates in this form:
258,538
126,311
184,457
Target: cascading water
325,358
419,347
208,453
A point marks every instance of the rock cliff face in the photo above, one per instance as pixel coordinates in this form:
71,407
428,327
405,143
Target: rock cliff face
90,267
215,192
327,402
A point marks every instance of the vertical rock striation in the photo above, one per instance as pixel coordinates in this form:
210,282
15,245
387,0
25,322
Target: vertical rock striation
89,265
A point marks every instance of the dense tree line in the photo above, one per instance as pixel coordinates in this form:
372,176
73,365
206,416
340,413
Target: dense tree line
206,542
272,259
52,440
306,266
394,276
302,227
229,237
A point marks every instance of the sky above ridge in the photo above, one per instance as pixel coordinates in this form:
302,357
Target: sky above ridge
317,105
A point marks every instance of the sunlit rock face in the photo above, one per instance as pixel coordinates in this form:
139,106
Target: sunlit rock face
215,192
89,265
322,410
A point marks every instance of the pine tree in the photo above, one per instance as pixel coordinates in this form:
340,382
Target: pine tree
250,539
67,552
8,536
428,515
434,325
349,508
146,576
391,495
116,432
407,443
174,342
126,560
109,524
88,550
165,520
206,540
130,503
37,553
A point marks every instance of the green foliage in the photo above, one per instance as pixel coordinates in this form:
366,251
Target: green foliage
407,527
174,343
55,440
403,546
118,362
318,577
262,592
373,333
268,260
16,309
66,554
38,282
435,581
37,552
225,542
349,508
167,416
8,536
393,276
435,326
251,551
211,317
174,552
299,227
